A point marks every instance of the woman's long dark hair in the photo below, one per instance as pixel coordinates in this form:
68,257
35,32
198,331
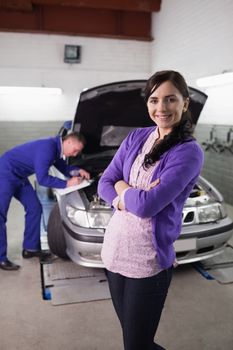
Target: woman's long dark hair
182,131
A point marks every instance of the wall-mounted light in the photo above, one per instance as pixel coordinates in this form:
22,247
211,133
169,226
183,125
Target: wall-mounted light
28,91
72,54
216,80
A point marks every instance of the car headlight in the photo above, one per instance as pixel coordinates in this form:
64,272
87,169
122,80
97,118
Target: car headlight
98,219
76,216
223,210
209,213
90,219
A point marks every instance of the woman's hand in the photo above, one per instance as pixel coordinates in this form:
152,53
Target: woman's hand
153,184
120,186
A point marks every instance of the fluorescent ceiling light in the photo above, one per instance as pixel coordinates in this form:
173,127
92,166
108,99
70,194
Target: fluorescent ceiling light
216,80
22,90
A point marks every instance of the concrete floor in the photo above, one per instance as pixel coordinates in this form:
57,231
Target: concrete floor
198,312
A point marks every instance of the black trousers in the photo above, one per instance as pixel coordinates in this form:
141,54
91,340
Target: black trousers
138,303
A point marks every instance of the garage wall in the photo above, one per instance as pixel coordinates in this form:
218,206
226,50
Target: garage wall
37,60
17,132
218,166
195,38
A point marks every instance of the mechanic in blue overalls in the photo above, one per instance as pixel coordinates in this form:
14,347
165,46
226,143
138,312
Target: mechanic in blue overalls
16,165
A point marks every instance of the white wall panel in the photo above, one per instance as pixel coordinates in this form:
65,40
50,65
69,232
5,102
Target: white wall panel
37,60
195,38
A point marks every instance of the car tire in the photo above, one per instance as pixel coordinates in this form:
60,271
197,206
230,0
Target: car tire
56,239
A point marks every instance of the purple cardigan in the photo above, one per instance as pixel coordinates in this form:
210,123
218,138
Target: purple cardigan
178,171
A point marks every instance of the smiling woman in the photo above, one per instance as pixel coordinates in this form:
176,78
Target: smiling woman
167,97
106,114
165,107
147,182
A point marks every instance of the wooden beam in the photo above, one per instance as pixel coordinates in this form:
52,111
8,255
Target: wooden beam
107,18
79,21
124,5
16,5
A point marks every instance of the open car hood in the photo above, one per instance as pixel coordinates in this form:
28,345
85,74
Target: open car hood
105,114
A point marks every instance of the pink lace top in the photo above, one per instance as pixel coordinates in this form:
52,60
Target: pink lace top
128,248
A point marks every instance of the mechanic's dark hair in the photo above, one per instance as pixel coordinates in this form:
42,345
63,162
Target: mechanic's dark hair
182,131
76,135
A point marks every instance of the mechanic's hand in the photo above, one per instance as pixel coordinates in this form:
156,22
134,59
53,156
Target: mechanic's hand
84,174
75,180
153,184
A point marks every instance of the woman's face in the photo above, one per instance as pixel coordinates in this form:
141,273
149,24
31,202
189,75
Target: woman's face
166,105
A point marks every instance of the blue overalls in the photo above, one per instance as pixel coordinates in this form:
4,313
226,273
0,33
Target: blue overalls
15,167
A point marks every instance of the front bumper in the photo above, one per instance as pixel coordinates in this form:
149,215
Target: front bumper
196,242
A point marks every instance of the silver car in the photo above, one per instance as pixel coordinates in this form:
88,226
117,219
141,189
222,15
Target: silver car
76,226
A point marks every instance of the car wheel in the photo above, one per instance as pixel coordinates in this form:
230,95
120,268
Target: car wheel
56,239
